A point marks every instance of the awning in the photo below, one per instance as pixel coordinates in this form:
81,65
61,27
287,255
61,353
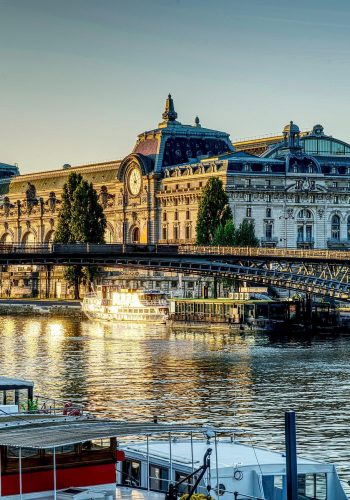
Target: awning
71,431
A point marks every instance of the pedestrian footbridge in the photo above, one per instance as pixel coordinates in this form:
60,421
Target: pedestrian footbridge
321,272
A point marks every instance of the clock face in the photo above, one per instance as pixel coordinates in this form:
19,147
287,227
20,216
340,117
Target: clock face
135,181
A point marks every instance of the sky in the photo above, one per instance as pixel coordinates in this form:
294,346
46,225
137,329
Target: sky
80,79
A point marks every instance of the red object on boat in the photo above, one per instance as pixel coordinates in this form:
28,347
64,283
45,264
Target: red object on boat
88,475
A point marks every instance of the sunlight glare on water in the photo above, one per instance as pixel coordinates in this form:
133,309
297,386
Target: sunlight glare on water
203,376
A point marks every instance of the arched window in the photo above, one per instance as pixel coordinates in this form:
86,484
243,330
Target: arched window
305,214
335,228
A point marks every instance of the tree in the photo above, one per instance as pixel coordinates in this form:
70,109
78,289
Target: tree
63,233
81,218
245,235
225,235
88,222
213,211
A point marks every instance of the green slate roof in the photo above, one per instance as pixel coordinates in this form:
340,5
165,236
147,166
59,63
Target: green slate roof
47,182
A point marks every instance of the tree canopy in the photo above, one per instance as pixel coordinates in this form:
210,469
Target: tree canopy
245,235
213,211
81,216
81,219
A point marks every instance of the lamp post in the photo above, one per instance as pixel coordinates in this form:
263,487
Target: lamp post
288,215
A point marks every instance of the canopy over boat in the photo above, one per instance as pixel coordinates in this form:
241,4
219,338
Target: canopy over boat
40,432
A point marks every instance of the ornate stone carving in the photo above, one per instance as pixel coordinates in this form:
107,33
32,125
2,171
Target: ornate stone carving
52,202
31,199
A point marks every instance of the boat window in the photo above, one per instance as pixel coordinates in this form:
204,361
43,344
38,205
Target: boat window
158,478
70,448
96,444
310,487
131,473
13,452
184,487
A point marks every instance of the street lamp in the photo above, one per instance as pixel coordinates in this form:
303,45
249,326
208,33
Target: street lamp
288,215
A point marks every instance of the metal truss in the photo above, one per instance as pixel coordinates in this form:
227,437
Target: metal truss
331,280
312,273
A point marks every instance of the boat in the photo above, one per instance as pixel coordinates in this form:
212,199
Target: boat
236,468
125,305
63,453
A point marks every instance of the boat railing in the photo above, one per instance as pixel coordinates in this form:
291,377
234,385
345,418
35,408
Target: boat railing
241,496
50,406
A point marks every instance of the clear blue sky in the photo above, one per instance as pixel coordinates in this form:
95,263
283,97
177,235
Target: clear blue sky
81,78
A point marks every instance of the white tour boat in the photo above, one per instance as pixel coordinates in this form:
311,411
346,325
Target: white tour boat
109,304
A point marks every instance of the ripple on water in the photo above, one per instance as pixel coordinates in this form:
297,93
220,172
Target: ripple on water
137,371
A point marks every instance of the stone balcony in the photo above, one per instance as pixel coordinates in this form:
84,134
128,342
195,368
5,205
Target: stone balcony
338,244
305,243
269,242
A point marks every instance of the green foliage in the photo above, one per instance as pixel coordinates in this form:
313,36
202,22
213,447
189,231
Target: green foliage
81,219
225,235
88,222
245,235
213,211
31,406
63,232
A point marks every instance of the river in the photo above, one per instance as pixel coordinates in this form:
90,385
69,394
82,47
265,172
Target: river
242,379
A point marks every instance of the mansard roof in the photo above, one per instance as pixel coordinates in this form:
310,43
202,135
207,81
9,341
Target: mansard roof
173,143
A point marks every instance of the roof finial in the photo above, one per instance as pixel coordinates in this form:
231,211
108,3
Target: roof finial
196,121
169,114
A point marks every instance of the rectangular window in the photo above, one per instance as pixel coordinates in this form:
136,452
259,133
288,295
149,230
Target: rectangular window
297,198
176,215
176,232
188,216
308,233
268,198
188,232
268,182
164,216
158,478
164,235
300,233
336,200
131,473
184,487
248,182
268,212
335,184
249,197
268,232
313,199
248,212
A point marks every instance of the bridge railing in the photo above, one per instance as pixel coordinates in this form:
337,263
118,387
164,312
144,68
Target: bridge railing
25,248
265,252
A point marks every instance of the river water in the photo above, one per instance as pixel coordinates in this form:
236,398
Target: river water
242,379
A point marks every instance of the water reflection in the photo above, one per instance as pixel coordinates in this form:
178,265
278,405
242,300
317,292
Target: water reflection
137,371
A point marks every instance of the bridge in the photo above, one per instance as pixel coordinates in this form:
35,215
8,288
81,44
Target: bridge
321,272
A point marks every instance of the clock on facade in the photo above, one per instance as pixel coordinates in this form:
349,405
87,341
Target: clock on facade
134,181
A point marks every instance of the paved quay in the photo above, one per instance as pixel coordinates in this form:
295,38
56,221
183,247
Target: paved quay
40,306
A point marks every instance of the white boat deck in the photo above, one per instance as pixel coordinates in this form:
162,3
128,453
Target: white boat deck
95,492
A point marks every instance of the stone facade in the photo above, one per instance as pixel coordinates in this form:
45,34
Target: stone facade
297,192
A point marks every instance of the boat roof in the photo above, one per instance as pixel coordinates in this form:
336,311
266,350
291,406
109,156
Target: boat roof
8,383
38,431
230,453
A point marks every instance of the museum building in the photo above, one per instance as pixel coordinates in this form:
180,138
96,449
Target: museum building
294,187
